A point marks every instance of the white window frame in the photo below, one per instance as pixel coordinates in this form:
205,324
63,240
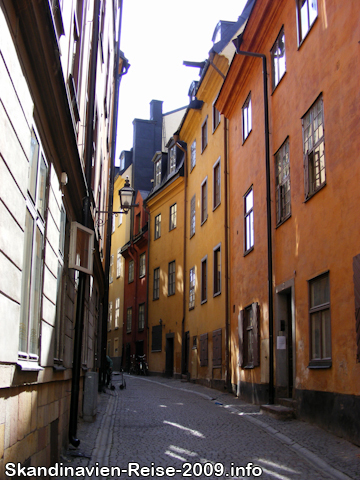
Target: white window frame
172,216
204,201
217,165
246,117
118,263
157,226
117,312
249,236
142,265
110,316
172,159
192,288
193,155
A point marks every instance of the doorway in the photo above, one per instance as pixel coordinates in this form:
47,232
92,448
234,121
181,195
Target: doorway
285,340
169,352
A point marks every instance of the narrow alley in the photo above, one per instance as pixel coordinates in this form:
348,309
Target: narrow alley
165,428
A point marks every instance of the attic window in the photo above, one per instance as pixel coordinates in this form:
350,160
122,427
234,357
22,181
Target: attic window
172,159
158,172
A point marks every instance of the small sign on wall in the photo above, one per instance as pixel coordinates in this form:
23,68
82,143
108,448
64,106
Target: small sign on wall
281,343
81,248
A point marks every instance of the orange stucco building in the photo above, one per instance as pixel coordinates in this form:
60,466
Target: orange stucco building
298,338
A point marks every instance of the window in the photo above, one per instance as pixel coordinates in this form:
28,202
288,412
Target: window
246,118
193,155
172,159
306,16
110,317
156,341
128,319
118,263
117,312
116,347
113,223
204,280
216,183
157,233
216,117
172,222
120,215
142,316
156,288
59,323
204,135
138,223
320,329
192,289
278,60
249,351
314,148
249,220
194,342
217,350
142,269
204,350
131,271
217,270
33,247
111,269
158,172
282,183
192,216
204,201
171,278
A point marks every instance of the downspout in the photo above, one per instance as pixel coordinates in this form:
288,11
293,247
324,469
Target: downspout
184,260
268,213
117,78
147,283
80,307
227,326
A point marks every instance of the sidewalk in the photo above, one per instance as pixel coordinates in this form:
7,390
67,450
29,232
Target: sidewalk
333,455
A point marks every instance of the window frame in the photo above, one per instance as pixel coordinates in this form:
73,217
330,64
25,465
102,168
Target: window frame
128,320
110,309
249,214
310,163
32,286
172,159
216,184
192,215
156,284
157,227
249,342
193,155
204,201
302,35
131,272
276,64
217,270
172,217
204,275
157,169
322,361
111,269
171,278
204,134
192,283
118,263
141,317
246,116
216,117
142,265
117,312
280,184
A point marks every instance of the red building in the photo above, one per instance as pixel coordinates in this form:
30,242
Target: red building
135,253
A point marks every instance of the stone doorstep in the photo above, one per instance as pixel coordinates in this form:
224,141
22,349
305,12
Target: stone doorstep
278,411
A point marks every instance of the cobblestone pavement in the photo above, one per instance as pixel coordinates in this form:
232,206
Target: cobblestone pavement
200,432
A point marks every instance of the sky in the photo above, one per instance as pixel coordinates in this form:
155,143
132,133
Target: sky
156,37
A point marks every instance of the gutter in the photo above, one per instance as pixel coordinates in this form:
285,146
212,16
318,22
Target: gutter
237,43
184,259
227,326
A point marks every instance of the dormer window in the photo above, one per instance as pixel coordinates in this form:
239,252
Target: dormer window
172,159
158,172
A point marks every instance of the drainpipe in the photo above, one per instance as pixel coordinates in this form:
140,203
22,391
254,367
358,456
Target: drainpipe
80,307
184,258
237,43
227,326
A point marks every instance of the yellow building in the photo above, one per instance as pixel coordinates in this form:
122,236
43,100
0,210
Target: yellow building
166,261
206,326
120,236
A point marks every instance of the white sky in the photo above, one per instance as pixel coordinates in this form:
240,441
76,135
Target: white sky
156,37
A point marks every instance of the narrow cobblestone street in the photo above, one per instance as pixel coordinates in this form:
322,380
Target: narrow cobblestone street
200,432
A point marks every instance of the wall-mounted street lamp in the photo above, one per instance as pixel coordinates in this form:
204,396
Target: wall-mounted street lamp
126,194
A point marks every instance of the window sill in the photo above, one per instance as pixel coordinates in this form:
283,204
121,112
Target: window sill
248,135
203,221
311,195
192,308
283,221
319,364
276,86
216,206
205,301
248,251
59,368
27,366
217,294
